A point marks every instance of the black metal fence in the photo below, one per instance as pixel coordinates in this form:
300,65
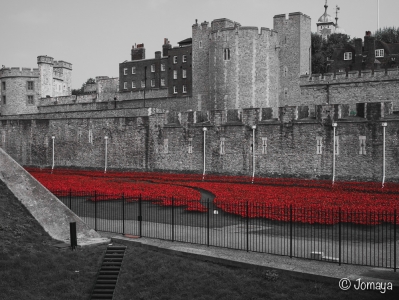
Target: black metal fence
333,235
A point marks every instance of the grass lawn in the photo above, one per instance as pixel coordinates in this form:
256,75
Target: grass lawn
30,268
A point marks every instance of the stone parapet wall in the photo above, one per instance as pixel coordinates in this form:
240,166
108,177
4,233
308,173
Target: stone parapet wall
18,72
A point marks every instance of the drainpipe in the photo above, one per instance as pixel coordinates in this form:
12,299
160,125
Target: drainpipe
253,152
333,176
383,154
106,150
52,167
203,174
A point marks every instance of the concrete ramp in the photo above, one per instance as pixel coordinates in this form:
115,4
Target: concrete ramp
50,212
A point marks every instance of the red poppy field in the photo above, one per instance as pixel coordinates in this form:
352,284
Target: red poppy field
313,201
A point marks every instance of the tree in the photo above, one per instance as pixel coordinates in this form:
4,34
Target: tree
387,34
81,90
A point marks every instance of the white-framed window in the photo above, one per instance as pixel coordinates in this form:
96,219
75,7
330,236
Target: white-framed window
133,85
184,88
362,145
125,71
90,136
162,67
184,73
165,146
200,44
379,53
162,82
184,58
175,59
30,99
174,74
153,68
226,54
348,56
125,85
174,89
319,140
190,145
336,145
222,149
264,145
133,70
152,82
143,84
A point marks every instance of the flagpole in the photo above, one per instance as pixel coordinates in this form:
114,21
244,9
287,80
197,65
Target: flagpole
378,15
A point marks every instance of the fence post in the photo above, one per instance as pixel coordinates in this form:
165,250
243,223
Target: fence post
247,228
123,213
339,233
290,230
70,196
140,217
173,219
95,210
394,241
207,223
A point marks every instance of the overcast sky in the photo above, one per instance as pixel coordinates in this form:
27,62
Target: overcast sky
96,35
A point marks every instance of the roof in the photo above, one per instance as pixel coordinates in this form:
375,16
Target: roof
187,41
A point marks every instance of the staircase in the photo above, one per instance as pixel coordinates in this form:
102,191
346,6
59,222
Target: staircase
108,275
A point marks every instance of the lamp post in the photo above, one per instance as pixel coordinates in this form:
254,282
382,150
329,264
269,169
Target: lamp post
253,152
203,174
384,125
52,167
334,125
106,150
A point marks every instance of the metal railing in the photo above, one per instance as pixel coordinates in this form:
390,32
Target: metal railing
361,238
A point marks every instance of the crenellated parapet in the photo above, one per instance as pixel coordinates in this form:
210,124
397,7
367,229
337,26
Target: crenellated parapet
18,72
62,64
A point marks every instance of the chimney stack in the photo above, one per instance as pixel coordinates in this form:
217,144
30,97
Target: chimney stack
138,52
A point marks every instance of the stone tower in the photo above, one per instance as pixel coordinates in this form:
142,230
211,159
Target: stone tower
45,64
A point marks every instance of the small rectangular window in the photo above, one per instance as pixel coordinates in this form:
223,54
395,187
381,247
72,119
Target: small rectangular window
200,44
362,145
319,145
90,136
133,70
125,85
184,58
190,145
133,85
30,85
4,100
222,150
30,99
3,85
125,71
152,82
264,145
379,53
162,67
184,73
162,82
165,146
348,56
174,89
175,59
226,54
142,84
184,88
152,68
174,74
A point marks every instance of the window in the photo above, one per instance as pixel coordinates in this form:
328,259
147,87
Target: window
152,68
30,85
165,146
162,82
379,53
4,100
200,44
264,145
175,59
184,89
336,145
174,74
133,70
79,134
125,71
125,85
90,136
362,145
174,89
184,74
222,150
184,59
3,138
285,93
133,85
319,145
285,71
348,56
3,85
152,82
142,84
226,54
30,99
162,67
190,145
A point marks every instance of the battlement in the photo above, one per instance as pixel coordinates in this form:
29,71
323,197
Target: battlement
58,73
219,24
44,59
62,64
17,72
247,29
291,16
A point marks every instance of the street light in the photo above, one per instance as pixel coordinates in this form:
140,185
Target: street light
384,125
52,167
106,150
203,174
334,125
253,152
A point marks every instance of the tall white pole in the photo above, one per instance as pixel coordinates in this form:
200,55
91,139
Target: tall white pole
333,177
378,15
383,153
253,152
203,174
106,154
52,167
